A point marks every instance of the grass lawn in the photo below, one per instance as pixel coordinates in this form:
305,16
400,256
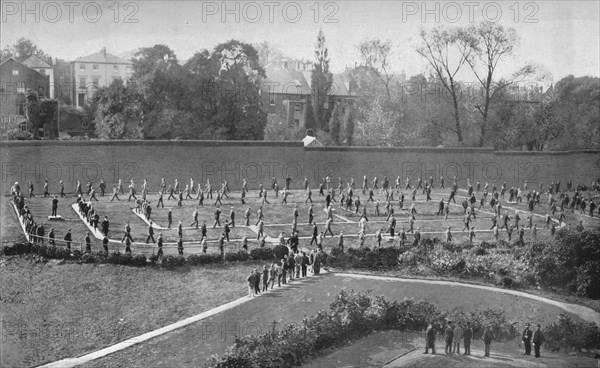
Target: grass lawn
192,345
56,311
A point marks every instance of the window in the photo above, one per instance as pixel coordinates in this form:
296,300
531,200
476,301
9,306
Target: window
115,68
297,122
81,66
297,108
15,72
272,100
81,82
23,126
326,105
21,109
80,99
20,87
95,82
95,66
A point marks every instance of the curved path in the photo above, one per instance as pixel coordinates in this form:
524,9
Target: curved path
585,313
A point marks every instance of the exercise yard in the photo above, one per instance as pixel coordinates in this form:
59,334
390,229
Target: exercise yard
278,219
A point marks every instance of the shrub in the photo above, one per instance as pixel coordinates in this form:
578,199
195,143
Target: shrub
88,258
263,254
280,251
588,280
565,333
139,260
172,261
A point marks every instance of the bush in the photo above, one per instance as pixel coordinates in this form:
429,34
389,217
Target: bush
172,261
18,135
565,333
280,251
139,260
263,254
588,280
236,256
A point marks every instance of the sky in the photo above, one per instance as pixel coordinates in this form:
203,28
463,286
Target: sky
562,37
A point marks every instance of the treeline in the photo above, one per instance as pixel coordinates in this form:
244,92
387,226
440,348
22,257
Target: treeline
214,95
521,111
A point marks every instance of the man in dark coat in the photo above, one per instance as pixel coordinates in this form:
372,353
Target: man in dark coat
527,335
538,340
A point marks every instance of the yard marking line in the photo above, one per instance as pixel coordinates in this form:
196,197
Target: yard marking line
97,234
343,218
72,362
20,222
585,313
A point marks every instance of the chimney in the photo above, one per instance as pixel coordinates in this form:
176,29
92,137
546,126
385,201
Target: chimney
103,51
285,63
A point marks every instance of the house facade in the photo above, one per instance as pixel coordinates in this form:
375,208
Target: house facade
286,91
95,71
16,78
43,68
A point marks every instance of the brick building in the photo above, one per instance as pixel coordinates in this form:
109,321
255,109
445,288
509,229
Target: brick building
15,79
286,91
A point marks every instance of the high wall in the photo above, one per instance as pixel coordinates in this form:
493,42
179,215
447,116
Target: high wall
259,161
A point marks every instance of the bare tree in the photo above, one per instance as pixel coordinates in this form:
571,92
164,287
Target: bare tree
376,55
441,47
482,47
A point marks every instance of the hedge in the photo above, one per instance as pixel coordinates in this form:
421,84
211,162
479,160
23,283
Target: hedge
43,252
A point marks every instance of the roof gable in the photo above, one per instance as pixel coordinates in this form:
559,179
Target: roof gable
35,62
290,81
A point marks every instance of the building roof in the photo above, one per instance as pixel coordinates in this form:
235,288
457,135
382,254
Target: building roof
35,62
280,79
21,64
102,57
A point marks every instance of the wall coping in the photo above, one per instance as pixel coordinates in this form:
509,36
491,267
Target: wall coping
289,144
133,143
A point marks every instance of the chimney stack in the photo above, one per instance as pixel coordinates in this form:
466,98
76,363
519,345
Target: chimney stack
103,51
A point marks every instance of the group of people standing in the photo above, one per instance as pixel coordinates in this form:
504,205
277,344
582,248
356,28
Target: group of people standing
293,266
454,335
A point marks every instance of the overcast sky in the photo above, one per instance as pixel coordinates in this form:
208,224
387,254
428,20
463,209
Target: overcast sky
562,36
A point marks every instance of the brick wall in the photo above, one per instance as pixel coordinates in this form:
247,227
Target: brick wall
259,161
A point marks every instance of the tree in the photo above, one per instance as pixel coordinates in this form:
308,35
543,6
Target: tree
119,113
41,113
350,123
267,53
22,49
441,48
376,56
335,124
321,80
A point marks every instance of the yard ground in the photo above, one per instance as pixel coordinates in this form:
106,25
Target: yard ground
55,311
193,344
278,218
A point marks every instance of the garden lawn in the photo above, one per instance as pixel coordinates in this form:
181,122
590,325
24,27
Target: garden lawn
55,311
193,344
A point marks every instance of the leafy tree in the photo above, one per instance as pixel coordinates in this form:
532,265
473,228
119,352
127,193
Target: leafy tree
267,52
350,124
22,49
320,80
41,113
335,124
119,113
